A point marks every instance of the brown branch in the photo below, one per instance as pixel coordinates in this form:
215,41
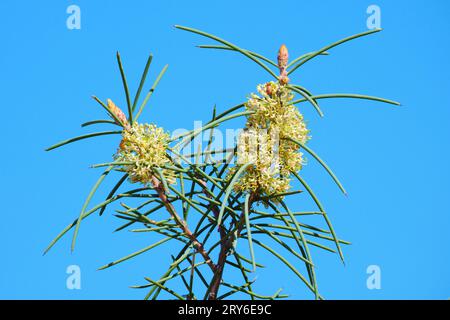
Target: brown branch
225,245
158,186
214,207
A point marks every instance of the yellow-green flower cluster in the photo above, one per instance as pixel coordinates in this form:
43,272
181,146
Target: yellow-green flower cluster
142,150
261,150
273,110
264,142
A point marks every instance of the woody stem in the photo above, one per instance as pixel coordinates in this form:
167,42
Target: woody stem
159,188
225,246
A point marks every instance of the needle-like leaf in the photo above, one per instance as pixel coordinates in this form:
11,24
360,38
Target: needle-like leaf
322,163
348,95
272,234
125,87
90,123
86,136
305,247
254,54
86,203
286,262
214,123
309,98
87,214
256,295
113,191
108,110
142,82
150,92
327,220
303,56
229,189
229,44
315,54
162,287
249,231
183,255
134,254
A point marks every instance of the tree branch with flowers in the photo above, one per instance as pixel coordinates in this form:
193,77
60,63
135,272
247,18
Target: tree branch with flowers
217,211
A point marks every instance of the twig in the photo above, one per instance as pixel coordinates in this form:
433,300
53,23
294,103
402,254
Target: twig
159,188
225,245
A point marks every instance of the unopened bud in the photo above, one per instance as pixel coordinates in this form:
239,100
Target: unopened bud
118,113
122,145
283,57
269,89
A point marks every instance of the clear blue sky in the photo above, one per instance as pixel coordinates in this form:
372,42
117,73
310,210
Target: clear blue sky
392,160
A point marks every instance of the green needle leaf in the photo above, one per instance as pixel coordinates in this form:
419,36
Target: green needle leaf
86,203
230,110
160,286
229,44
163,179
315,54
309,98
113,191
256,295
349,95
88,213
244,274
147,213
114,163
273,234
86,136
286,262
249,232
150,92
256,55
134,254
303,56
125,87
322,163
142,82
183,255
327,220
305,246
214,123
112,114
229,189
238,289
89,123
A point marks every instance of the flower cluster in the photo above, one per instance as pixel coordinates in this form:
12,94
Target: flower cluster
264,142
273,110
142,151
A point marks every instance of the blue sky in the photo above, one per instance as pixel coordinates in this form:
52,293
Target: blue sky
393,161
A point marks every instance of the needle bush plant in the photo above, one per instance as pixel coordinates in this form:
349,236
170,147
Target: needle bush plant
218,211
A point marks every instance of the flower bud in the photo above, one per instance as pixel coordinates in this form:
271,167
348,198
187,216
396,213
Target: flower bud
122,145
283,57
118,113
269,89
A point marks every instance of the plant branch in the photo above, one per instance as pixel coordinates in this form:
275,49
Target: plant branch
159,188
226,244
